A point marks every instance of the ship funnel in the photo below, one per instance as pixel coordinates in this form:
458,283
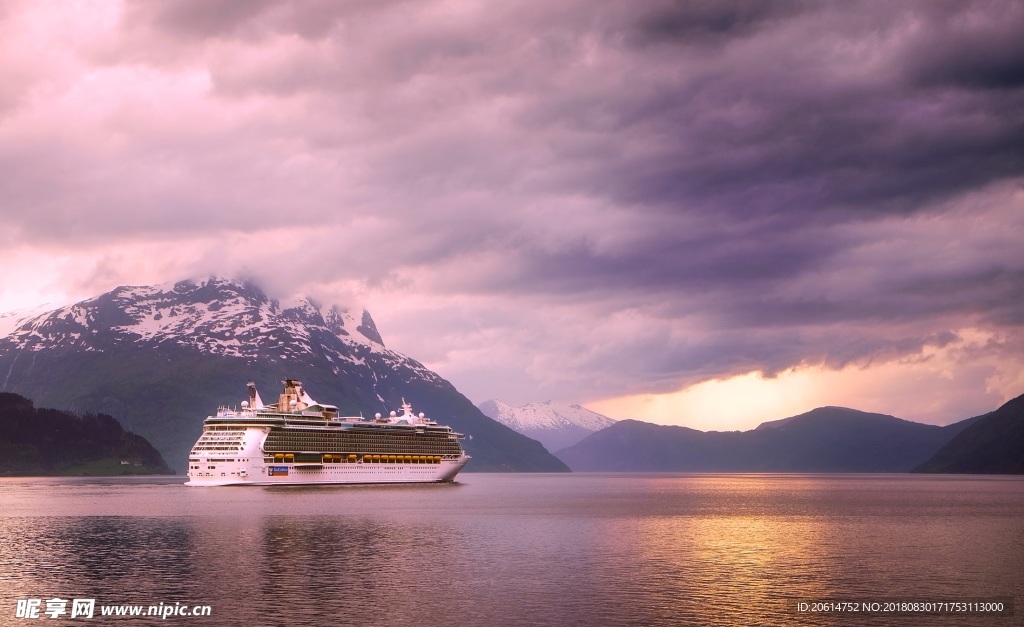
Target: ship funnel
293,397
254,396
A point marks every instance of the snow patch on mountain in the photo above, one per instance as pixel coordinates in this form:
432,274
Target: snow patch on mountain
11,321
547,415
553,425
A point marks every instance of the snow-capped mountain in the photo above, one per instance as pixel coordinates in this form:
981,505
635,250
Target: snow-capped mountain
161,358
555,426
215,316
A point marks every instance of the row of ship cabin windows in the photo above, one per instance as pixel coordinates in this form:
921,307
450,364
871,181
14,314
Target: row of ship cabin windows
346,438
223,461
421,448
328,458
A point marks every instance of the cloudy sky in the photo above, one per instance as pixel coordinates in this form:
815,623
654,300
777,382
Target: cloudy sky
700,213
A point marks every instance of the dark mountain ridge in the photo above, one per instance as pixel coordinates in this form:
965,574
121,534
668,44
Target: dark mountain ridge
992,444
162,358
827,439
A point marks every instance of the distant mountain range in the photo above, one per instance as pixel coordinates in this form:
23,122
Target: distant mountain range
52,442
828,439
553,425
161,358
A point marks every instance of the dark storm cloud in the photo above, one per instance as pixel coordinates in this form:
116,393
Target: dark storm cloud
198,19
973,46
675,260
706,21
768,131
245,19
994,294
831,155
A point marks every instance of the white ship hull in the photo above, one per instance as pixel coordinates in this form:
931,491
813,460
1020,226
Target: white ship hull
299,474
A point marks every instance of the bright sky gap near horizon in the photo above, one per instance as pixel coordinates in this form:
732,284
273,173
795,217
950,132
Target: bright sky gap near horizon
701,213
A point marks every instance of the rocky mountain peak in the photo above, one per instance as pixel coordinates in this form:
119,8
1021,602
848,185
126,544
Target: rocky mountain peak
369,329
214,315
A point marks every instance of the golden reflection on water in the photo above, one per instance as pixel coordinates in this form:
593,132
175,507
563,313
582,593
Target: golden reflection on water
702,563
746,549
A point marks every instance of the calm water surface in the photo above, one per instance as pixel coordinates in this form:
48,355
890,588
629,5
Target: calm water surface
581,549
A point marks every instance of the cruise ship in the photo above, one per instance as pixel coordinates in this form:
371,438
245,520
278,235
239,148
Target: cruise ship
300,441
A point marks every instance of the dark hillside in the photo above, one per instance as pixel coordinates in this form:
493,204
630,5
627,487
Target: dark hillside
991,444
51,442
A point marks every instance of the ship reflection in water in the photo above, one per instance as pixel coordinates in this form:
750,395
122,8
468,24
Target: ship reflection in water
518,549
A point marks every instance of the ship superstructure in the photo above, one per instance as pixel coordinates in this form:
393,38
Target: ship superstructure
300,441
